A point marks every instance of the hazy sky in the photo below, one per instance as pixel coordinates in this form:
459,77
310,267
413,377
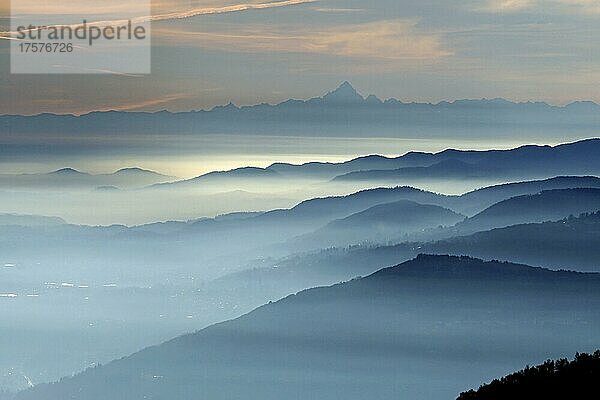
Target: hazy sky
426,50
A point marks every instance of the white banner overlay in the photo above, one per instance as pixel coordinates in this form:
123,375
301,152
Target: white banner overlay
80,37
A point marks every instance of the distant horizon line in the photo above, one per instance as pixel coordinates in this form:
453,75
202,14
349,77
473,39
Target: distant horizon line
343,85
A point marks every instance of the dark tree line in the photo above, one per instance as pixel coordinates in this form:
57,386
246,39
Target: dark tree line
562,379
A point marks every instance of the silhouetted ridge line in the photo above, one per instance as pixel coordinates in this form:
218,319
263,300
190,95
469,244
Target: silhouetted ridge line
371,333
560,380
342,111
465,267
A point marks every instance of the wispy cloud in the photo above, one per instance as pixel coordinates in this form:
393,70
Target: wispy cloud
512,6
506,5
337,10
588,6
227,9
185,14
95,70
396,40
115,7
143,104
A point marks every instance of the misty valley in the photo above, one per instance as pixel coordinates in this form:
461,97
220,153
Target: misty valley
299,200
331,280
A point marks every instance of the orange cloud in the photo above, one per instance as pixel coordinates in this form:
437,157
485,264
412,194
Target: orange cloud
188,13
135,105
577,6
507,5
397,40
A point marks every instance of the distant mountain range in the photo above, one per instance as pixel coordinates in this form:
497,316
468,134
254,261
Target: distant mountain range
425,329
380,224
134,252
71,178
206,247
522,163
226,266
406,220
442,170
477,200
572,243
339,112
526,162
239,177
314,213
576,155
548,205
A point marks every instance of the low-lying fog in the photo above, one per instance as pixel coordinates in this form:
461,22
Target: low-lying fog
73,294
126,202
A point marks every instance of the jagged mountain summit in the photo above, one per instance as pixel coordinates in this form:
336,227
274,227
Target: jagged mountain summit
345,94
340,112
